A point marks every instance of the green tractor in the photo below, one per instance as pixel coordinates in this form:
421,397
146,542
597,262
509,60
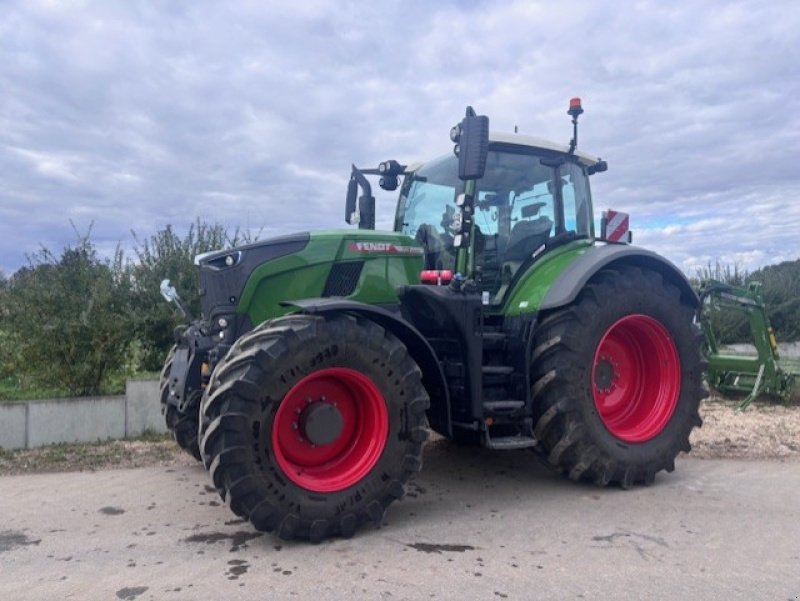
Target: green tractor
492,314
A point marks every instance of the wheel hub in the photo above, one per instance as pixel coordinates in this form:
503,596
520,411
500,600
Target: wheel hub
325,445
604,375
321,423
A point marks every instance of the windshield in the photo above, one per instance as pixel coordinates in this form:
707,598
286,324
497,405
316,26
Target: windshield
518,208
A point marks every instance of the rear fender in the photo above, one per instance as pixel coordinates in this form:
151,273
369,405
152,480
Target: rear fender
421,351
575,276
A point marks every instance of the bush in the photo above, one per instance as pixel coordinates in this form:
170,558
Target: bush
80,324
8,350
782,296
66,320
166,255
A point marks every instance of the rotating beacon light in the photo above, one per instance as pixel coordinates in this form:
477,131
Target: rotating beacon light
575,109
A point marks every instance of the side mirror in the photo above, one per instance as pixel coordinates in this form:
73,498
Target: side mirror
366,208
350,214
364,215
168,291
171,296
472,145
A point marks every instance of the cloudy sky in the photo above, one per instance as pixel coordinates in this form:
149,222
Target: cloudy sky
133,115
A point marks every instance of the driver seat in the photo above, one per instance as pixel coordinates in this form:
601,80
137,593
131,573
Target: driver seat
526,237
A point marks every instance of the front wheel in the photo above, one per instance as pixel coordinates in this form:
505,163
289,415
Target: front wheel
313,425
618,378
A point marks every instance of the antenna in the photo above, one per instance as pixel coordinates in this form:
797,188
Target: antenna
575,109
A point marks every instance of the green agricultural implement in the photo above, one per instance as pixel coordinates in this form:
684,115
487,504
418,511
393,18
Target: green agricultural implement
751,374
493,314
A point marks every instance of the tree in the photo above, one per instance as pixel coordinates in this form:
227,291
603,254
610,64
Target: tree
8,354
67,318
780,291
166,255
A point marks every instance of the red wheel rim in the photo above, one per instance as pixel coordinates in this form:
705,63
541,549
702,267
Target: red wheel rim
357,437
636,378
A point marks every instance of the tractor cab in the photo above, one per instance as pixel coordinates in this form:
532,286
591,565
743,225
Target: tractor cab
533,196
487,212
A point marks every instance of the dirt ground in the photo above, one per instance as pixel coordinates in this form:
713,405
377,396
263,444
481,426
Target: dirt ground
151,451
763,431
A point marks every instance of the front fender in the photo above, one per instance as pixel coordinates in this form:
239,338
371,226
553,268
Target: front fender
420,349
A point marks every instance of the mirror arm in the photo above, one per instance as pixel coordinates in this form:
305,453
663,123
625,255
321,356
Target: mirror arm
362,181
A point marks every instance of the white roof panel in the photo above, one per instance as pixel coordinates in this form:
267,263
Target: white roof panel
533,142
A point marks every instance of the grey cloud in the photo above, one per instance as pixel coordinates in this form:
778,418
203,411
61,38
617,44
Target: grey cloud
134,115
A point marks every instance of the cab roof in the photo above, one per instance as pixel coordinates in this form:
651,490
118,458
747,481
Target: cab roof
496,137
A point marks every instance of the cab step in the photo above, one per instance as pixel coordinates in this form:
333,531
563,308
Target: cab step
509,443
502,407
494,340
497,370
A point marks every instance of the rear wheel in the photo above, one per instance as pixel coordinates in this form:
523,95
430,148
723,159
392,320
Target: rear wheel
181,424
313,425
617,379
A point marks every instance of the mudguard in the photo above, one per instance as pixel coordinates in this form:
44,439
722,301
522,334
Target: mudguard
432,375
572,280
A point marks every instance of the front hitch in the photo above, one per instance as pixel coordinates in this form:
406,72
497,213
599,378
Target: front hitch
189,372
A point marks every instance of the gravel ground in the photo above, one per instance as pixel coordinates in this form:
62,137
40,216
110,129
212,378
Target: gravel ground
763,431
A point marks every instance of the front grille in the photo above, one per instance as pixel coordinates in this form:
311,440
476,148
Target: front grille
343,278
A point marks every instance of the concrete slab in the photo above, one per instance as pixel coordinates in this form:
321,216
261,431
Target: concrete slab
85,419
476,525
143,408
12,425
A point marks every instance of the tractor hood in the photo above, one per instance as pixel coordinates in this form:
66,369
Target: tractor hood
224,273
263,249
256,279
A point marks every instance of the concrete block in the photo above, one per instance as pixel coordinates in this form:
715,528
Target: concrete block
143,407
85,419
12,425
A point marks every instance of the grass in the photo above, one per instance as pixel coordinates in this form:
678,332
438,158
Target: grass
11,390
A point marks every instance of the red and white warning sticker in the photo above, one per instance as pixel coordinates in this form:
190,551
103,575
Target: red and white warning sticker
617,226
386,248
